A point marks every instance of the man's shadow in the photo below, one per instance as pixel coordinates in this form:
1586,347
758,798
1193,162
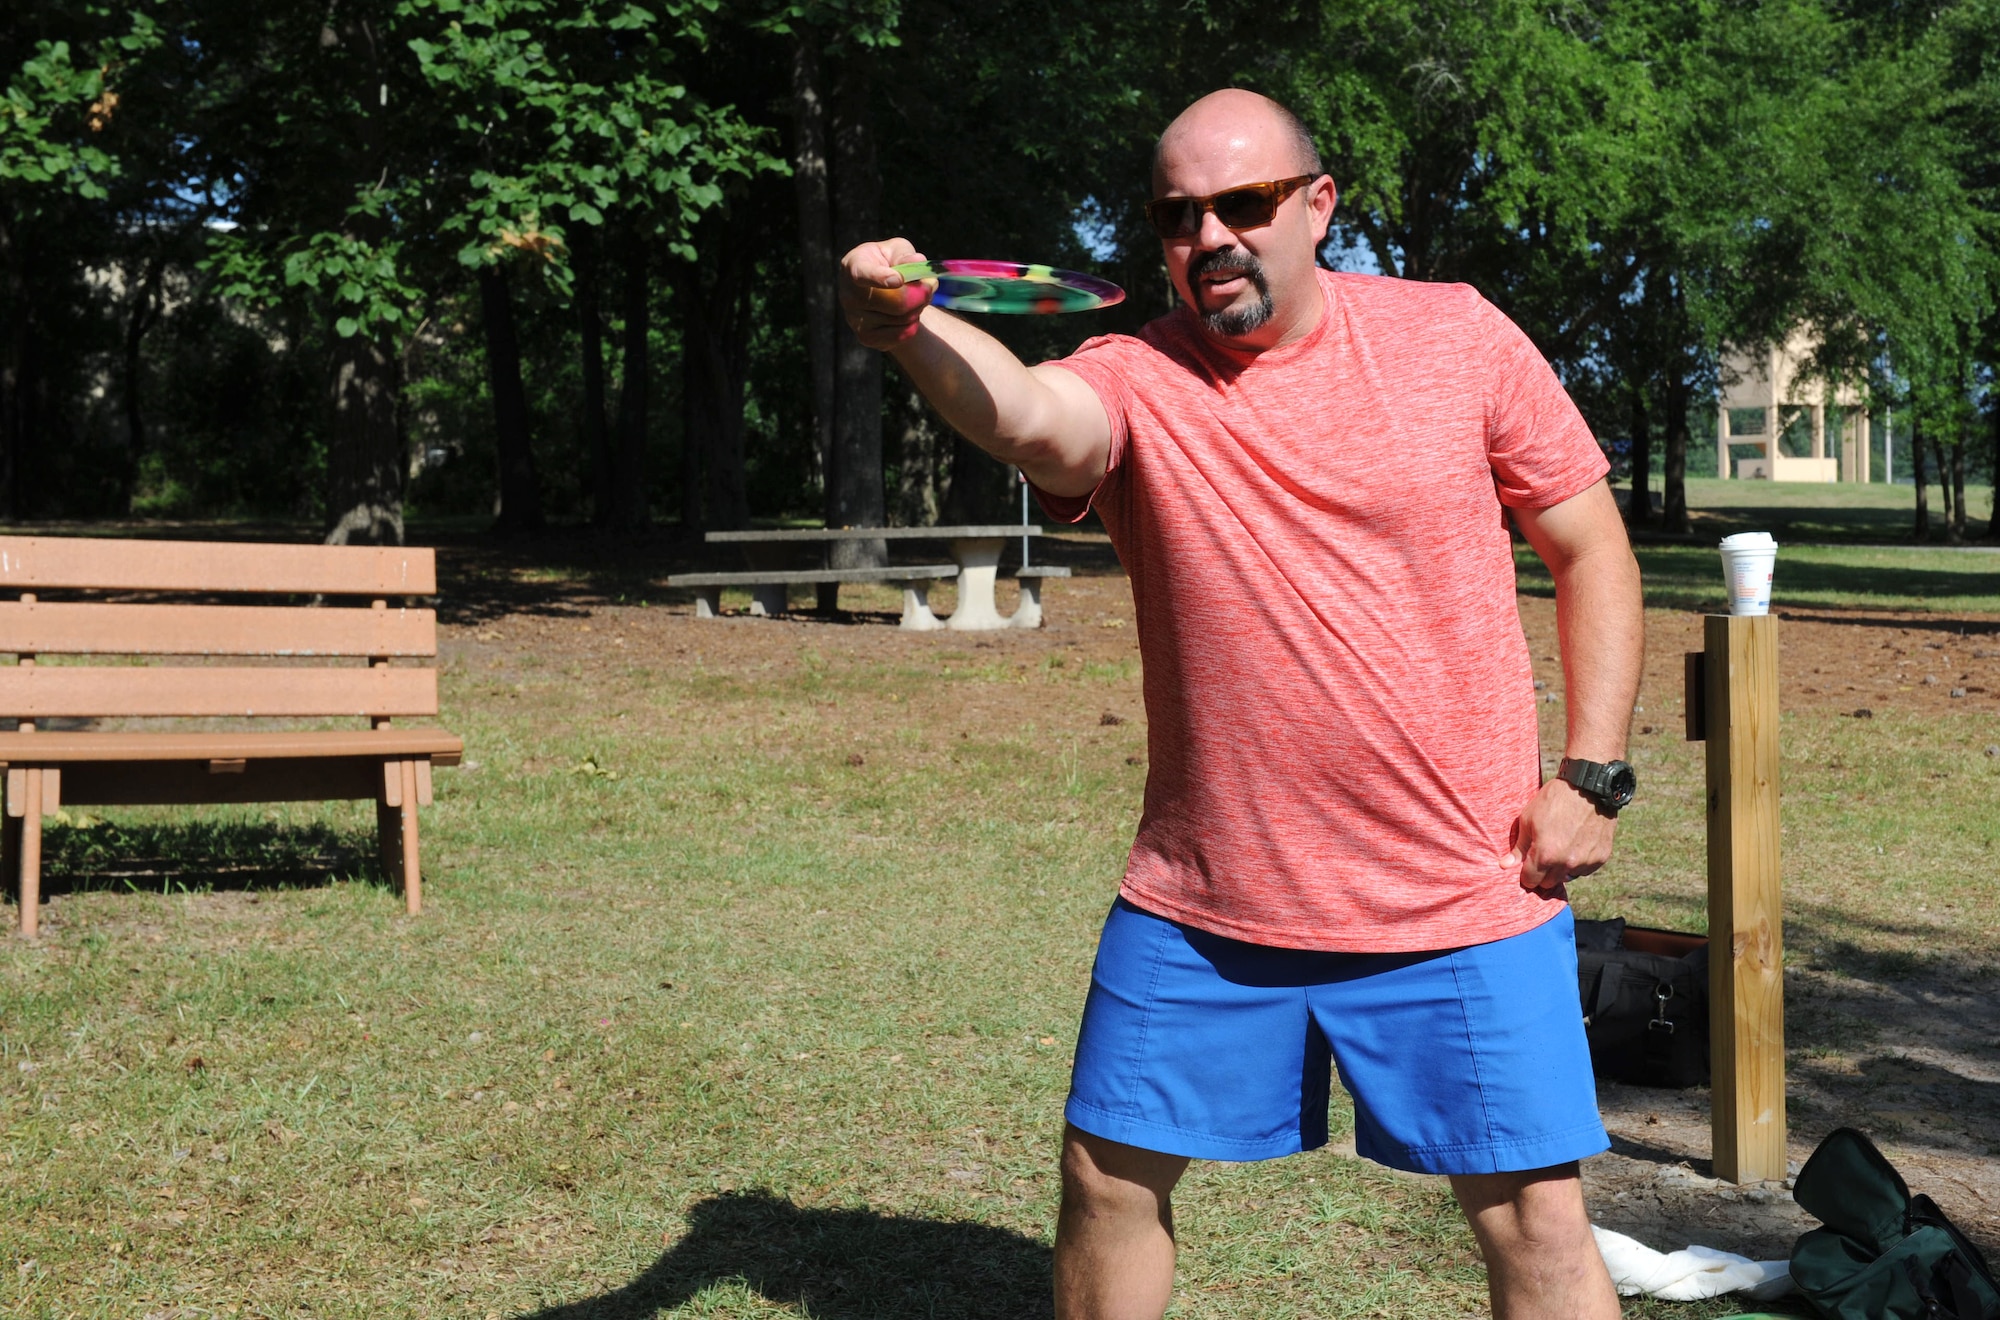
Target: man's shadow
835,1265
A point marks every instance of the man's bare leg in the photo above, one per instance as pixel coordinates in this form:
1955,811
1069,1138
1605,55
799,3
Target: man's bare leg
1115,1235
1533,1230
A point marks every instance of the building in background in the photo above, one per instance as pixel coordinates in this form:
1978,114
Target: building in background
1777,382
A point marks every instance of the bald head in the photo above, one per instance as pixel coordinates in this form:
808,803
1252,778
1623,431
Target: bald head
1251,282
1234,121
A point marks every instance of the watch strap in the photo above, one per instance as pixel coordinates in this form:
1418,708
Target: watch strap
1594,779
1587,777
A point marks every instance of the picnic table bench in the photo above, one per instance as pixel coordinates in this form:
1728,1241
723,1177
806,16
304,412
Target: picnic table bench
47,768
975,551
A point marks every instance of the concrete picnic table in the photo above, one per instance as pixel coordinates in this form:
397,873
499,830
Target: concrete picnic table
974,548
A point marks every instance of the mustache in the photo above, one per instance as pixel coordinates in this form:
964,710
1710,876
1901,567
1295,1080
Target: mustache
1227,261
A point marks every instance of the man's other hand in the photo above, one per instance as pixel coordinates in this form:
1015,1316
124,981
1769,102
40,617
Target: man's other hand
881,306
1561,836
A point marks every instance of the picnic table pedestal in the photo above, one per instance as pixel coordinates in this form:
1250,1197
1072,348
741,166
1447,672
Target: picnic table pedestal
1732,703
978,560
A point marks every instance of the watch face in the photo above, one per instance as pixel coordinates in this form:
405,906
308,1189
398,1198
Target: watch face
1622,784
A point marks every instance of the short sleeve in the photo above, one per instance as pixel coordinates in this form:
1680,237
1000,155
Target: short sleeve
1540,448
1103,364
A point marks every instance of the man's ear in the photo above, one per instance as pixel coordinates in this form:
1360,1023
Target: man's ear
1323,199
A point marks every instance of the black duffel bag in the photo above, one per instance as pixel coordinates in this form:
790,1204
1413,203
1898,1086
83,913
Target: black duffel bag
1645,1012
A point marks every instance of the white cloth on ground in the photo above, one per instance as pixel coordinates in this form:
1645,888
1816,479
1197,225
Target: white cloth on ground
1689,1274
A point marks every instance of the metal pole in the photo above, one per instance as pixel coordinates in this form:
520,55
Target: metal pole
1022,477
1889,448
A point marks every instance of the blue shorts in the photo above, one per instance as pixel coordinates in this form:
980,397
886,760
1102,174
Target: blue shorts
1465,1060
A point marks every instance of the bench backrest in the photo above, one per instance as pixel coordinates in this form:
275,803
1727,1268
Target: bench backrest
374,633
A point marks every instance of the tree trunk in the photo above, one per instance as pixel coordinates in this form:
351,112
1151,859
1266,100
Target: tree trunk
1941,453
629,505
1944,488
364,458
979,486
145,311
13,373
1959,489
1639,508
1922,526
596,430
711,298
520,498
727,361
922,454
695,419
1675,398
1993,516
817,259
854,477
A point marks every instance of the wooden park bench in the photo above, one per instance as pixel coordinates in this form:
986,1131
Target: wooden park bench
48,767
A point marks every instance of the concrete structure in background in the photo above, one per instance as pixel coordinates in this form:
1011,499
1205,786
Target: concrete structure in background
1776,382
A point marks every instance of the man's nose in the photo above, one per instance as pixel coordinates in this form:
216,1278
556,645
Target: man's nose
1213,234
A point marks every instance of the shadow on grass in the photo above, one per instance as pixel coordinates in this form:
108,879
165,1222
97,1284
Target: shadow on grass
1690,577
201,856
834,1264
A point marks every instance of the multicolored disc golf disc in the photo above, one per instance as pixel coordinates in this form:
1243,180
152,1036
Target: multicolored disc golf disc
1010,286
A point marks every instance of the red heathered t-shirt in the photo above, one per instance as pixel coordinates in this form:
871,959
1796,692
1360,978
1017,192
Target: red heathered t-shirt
1341,708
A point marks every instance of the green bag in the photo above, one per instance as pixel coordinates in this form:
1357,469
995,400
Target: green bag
1882,1254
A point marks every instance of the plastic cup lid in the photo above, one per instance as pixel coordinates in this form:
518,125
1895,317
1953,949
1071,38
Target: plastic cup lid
1749,541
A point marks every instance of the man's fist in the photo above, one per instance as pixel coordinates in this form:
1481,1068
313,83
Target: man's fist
1561,836
882,307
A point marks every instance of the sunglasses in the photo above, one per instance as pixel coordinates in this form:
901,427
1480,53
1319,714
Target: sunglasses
1246,206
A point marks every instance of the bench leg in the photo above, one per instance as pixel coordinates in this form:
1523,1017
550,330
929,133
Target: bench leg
31,855
708,602
769,598
917,616
413,883
827,598
1028,614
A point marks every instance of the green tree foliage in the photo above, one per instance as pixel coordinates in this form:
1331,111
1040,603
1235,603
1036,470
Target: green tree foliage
583,250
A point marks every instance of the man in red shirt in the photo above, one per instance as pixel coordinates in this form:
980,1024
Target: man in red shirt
1347,858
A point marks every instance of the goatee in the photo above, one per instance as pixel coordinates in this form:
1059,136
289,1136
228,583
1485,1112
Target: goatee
1231,322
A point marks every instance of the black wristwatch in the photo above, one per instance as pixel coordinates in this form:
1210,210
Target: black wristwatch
1610,784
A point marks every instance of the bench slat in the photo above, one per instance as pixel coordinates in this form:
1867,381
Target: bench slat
753,577
42,691
62,748
984,531
63,628
33,563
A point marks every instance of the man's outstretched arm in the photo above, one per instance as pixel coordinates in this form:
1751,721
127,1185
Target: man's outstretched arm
1601,618
1044,420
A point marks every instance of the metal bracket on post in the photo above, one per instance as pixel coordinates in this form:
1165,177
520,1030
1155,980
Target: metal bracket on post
1732,704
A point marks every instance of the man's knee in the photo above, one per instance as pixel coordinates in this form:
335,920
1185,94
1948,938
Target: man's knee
1532,1206
1101,1177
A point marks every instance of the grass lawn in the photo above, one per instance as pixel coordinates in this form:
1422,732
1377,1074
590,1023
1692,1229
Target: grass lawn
1689,577
746,986
1800,511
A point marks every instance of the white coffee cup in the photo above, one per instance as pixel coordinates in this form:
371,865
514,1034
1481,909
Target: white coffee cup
1748,559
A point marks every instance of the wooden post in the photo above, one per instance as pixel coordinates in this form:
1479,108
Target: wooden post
1738,714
